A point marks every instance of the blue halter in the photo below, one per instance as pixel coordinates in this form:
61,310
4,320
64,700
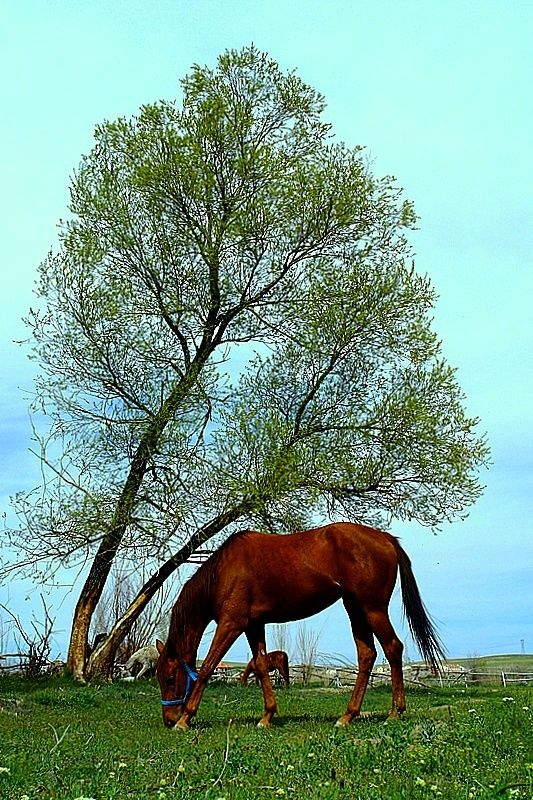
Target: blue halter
191,676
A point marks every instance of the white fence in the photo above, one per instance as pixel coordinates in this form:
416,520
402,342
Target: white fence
414,674
331,676
516,677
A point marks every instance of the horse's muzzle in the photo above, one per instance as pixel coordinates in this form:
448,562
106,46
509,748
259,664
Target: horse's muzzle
172,715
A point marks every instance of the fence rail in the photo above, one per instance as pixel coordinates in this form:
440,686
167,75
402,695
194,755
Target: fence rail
516,677
13,662
413,674
19,663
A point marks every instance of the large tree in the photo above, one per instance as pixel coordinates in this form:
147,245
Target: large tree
232,333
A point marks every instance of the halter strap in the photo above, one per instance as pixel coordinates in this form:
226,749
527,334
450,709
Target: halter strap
190,677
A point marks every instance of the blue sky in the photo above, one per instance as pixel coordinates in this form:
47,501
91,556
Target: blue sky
440,95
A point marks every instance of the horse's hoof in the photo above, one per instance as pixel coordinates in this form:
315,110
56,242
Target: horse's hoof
181,726
263,723
342,722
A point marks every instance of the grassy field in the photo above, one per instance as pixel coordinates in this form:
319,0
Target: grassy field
63,741
511,662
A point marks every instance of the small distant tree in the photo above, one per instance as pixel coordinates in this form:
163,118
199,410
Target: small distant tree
478,667
280,638
33,642
4,632
307,641
231,333
116,598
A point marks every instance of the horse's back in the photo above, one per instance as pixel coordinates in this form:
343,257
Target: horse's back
291,576
325,546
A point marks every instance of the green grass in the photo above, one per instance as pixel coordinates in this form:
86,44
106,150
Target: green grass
512,662
63,741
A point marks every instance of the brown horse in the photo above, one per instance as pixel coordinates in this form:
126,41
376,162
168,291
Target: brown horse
277,660
256,578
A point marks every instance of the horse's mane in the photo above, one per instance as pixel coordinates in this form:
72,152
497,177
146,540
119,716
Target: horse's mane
197,592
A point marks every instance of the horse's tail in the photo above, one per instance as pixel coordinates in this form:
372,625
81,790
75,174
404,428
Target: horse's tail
420,623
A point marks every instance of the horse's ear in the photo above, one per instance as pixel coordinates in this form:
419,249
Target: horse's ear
160,646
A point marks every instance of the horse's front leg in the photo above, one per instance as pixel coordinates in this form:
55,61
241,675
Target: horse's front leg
225,634
257,641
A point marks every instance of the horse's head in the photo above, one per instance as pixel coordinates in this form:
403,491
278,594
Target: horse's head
175,681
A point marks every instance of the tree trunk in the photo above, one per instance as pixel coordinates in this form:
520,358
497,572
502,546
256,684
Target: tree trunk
87,602
110,543
101,567
79,637
102,659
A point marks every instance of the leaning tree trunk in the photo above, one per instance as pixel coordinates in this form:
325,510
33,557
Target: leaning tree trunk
97,577
87,602
103,561
101,661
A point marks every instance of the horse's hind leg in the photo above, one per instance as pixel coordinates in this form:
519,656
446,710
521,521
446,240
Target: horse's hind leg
247,672
366,656
285,670
393,649
257,641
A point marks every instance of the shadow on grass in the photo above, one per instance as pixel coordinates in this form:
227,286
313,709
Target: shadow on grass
289,720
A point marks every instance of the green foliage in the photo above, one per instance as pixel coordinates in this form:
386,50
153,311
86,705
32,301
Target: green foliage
232,330
452,744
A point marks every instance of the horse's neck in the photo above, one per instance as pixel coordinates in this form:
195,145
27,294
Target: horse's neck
195,618
194,635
